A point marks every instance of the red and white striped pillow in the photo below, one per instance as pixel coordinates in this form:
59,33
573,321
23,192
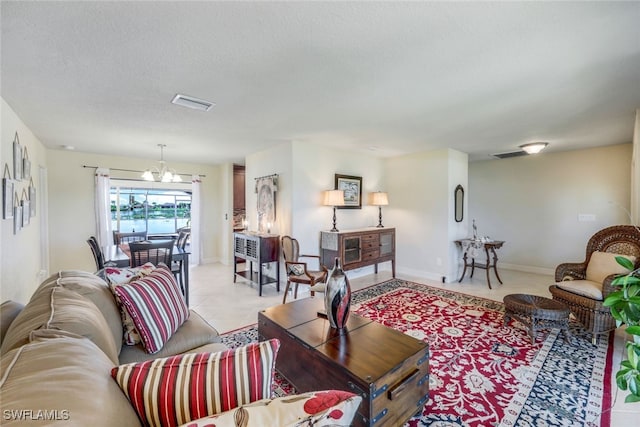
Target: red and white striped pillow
155,305
175,390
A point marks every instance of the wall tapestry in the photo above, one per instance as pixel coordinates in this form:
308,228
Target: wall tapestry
266,188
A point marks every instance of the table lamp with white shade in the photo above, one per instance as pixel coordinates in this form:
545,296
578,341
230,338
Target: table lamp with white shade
379,199
334,198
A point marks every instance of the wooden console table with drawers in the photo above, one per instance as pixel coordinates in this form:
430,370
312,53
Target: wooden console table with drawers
359,248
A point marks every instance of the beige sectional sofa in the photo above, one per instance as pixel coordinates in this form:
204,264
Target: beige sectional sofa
58,352
63,363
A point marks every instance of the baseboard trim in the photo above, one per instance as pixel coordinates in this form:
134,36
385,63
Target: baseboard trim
448,279
528,269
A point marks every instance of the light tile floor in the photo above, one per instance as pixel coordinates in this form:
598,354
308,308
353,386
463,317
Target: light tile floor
229,306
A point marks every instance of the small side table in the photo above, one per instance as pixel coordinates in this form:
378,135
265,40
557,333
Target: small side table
469,249
536,313
262,249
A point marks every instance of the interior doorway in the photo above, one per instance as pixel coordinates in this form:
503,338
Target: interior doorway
239,206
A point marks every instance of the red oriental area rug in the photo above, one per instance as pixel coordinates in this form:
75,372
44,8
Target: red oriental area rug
484,373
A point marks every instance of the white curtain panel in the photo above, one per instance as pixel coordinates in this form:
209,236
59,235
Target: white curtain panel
196,203
103,208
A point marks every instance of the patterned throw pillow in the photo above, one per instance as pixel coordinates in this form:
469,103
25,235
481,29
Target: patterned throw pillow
334,408
116,276
156,307
296,269
175,390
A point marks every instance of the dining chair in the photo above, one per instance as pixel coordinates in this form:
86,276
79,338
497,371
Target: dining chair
98,255
154,252
176,266
297,271
123,237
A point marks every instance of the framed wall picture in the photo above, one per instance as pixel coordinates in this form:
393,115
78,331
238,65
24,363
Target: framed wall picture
26,213
26,164
32,200
17,219
17,159
8,189
352,187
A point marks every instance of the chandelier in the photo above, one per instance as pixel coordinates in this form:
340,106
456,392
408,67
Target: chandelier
164,173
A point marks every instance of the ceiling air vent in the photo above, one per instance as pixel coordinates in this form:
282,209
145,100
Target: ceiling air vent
510,154
191,102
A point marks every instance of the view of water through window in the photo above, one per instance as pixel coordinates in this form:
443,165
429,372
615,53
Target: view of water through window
151,210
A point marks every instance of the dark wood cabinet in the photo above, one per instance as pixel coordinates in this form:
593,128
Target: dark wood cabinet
359,248
262,249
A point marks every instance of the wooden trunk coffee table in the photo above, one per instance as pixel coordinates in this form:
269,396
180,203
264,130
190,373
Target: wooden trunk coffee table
389,369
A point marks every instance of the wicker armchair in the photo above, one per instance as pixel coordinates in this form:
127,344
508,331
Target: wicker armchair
594,316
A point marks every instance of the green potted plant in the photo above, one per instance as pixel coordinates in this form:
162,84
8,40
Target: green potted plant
625,308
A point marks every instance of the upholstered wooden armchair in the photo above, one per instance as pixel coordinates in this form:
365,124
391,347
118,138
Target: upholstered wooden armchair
584,286
297,270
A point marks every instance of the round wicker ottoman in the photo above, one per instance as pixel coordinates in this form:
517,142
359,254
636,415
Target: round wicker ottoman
537,313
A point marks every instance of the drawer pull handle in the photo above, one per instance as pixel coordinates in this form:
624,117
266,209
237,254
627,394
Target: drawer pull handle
402,385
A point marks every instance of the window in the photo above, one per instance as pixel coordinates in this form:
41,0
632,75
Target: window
152,210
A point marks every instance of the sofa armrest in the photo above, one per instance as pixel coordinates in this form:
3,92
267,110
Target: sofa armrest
572,270
193,333
9,310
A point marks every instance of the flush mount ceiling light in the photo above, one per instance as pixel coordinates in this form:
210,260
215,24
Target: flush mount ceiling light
534,147
191,102
164,173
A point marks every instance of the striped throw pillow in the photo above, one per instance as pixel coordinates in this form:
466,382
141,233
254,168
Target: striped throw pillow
175,390
156,307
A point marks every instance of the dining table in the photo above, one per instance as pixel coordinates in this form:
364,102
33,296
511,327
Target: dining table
119,256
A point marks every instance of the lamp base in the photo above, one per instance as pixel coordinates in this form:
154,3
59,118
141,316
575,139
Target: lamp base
334,220
379,218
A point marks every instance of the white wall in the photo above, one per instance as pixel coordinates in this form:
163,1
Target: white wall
305,171
635,172
20,257
71,204
458,169
533,203
276,160
421,189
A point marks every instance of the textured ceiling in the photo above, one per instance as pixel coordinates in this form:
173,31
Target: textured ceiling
385,78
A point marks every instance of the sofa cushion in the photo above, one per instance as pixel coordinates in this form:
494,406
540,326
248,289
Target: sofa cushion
9,310
193,333
68,377
95,289
586,288
156,307
172,391
318,408
603,264
63,309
